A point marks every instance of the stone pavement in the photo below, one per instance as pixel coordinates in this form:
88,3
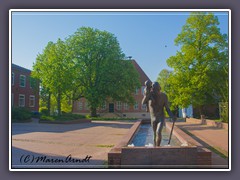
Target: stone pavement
213,138
82,145
86,145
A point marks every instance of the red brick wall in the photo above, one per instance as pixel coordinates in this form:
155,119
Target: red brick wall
137,96
192,156
27,90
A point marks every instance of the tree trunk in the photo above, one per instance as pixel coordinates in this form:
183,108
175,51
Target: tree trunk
49,103
93,112
59,104
73,101
201,110
202,116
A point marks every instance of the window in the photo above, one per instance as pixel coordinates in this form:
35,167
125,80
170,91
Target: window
125,106
13,75
143,106
143,90
86,105
21,101
80,105
22,81
119,105
136,105
31,82
31,101
104,105
136,91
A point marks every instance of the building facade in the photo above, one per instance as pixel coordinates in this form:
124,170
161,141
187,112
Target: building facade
117,108
24,91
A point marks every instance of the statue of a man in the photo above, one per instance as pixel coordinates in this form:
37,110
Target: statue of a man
147,90
156,101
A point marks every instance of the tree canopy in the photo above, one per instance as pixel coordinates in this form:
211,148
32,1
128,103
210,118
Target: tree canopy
90,64
200,68
101,70
163,79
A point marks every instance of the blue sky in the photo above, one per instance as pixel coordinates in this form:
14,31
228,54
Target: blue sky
142,35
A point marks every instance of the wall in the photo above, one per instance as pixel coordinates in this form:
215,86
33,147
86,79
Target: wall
193,155
27,90
81,107
208,122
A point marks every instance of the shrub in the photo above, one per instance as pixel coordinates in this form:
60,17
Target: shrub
223,107
64,117
111,118
20,114
48,118
44,111
35,114
69,116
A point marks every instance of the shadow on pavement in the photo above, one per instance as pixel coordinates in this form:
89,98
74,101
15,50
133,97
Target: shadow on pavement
24,159
22,128
197,127
218,158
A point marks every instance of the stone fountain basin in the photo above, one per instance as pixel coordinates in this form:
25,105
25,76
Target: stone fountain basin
190,154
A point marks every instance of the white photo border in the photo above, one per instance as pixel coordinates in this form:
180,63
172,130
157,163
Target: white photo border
116,10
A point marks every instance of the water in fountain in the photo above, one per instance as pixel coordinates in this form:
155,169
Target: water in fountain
144,137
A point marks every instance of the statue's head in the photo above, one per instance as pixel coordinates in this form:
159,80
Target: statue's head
156,87
148,83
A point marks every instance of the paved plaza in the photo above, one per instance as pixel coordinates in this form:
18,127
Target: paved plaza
32,141
211,138
86,145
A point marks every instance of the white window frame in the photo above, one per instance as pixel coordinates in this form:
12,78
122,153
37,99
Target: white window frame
126,107
13,77
80,105
104,105
86,106
144,106
24,80
136,91
143,90
30,83
136,106
31,96
119,105
20,100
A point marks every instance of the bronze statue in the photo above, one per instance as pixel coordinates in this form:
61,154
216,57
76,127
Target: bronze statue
147,89
156,101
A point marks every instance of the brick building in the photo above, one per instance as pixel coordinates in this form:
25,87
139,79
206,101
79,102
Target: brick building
117,108
24,91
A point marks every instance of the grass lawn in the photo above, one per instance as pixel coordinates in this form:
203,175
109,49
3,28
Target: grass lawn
63,117
71,117
110,119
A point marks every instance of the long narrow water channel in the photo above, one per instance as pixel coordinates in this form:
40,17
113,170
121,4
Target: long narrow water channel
144,137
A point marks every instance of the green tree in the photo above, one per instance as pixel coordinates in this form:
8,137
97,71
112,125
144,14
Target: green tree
53,69
87,64
45,99
163,79
100,71
198,75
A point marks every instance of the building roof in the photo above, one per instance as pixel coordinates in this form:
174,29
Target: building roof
143,76
14,66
